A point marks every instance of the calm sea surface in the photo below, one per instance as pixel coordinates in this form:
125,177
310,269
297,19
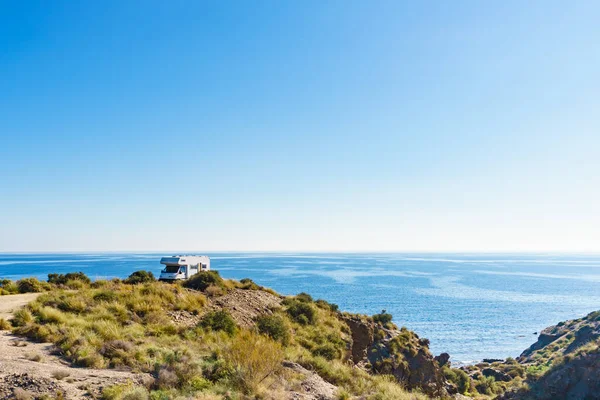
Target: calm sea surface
471,306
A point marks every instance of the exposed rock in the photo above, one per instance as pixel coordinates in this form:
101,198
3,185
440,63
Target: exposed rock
362,337
497,375
575,379
22,385
312,387
572,351
492,360
246,305
396,352
243,305
443,359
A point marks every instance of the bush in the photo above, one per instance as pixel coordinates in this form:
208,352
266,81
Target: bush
253,359
486,385
22,317
4,325
214,291
8,287
305,297
301,312
248,284
125,392
105,295
459,377
219,321
382,318
140,277
328,351
62,279
167,379
327,306
274,327
60,374
204,279
30,285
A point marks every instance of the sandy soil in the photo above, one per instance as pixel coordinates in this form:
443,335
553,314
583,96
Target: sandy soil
37,368
9,304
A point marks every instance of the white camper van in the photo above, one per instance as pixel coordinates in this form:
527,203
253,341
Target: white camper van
183,267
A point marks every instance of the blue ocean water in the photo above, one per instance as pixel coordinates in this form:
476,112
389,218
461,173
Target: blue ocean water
472,306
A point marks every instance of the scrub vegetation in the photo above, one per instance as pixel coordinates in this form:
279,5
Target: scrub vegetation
129,324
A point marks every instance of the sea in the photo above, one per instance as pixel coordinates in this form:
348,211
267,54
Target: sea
472,306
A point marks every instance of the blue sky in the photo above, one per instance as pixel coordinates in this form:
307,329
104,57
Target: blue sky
300,125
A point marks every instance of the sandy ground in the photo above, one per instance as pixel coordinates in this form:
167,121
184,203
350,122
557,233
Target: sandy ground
38,368
9,304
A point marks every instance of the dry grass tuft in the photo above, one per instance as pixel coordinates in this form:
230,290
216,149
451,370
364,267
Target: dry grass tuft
60,374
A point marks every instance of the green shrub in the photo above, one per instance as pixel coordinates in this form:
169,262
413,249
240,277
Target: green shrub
31,285
459,377
327,350
382,318
274,326
8,287
219,321
326,305
248,284
204,279
302,312
105,295
140,277
305,297
62,279
125,392
486,385
22,317
198,383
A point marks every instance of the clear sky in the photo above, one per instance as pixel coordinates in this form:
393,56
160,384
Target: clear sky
300,125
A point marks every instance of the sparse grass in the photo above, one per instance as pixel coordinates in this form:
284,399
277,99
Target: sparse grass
5,325
34,357
22,317
22,394
60,374
125,392
113,324
253,359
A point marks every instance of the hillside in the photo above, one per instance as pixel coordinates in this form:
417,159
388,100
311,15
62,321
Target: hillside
211,338
216,339
563,363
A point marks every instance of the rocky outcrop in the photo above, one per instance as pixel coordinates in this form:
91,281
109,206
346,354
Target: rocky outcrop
443,359
571,350
497,375
566,337
575,379
311,387
362,337
397,352
246,305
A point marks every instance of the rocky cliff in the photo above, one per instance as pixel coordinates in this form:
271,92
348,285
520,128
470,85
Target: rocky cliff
564,363
385,349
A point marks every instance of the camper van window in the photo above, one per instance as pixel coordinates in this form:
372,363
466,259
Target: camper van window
172,269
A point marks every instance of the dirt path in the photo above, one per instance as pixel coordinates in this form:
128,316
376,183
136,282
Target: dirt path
11,303
30,369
